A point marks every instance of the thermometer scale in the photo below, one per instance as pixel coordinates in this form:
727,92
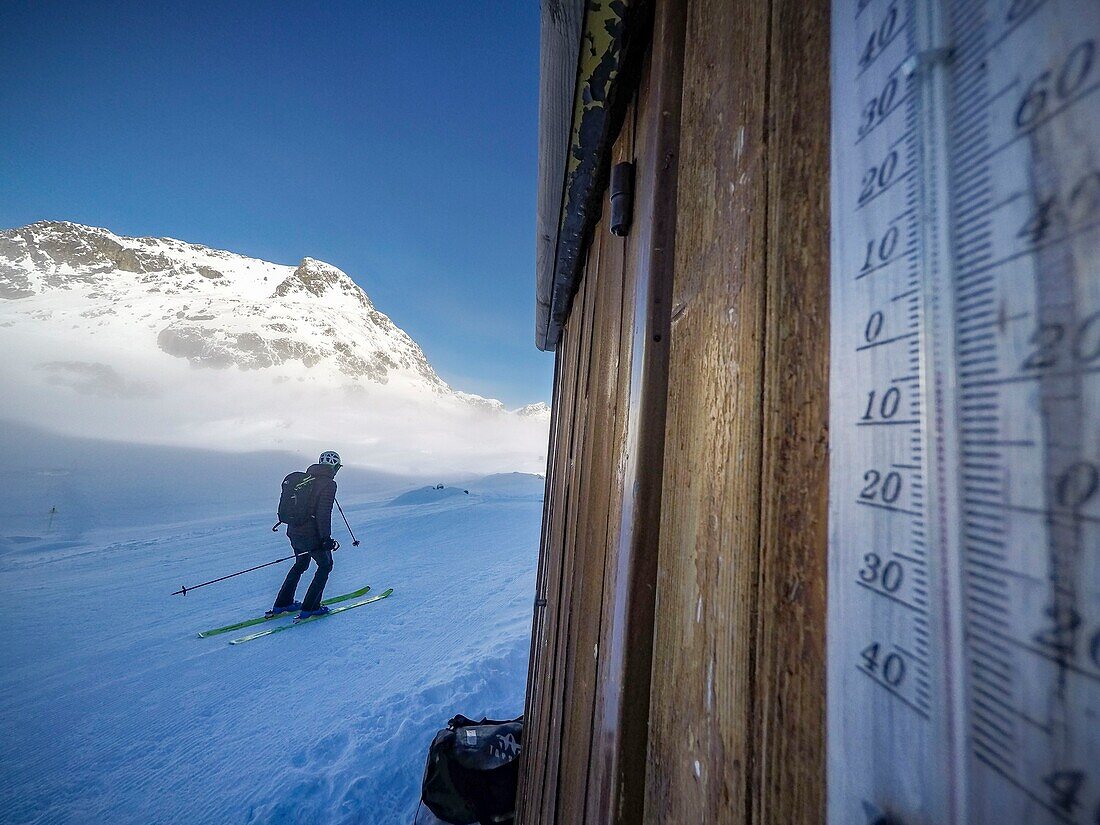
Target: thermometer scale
964,547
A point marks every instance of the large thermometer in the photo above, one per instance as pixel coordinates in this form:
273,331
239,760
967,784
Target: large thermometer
964,548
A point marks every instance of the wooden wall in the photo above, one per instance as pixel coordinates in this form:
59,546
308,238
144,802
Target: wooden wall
586,442
737,731
588,688
677,670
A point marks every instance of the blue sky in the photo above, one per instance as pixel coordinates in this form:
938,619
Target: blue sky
396,140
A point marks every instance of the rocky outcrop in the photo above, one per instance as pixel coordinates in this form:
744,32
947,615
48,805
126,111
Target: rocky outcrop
539,409
313,277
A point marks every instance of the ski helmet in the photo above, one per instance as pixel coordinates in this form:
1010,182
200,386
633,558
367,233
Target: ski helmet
329,457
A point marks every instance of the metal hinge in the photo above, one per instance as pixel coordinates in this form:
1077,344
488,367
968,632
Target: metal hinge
622,198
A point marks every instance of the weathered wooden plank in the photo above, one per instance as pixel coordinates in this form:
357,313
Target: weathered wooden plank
581,327
621,718
789,718
542,668
543,708
535,672
701,747
594,502
623,150
609,446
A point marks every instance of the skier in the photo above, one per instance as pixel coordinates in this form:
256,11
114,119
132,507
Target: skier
312,538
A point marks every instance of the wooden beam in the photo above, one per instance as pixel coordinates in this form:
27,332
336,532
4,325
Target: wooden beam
616,792
559,45
737,728
789,717
614,37
701,742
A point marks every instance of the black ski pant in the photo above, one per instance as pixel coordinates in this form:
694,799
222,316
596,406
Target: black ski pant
306,549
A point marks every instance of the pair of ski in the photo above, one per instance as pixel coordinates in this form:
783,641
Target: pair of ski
346,597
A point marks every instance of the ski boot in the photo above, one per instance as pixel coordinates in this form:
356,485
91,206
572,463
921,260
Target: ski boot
309,614
290,608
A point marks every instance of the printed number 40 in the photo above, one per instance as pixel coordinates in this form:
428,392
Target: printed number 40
892,665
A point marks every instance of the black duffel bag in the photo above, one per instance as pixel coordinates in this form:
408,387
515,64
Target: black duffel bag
473,770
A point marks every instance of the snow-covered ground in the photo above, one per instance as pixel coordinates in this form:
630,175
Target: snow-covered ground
114,711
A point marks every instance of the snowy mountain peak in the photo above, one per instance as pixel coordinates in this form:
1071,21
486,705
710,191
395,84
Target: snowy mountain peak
313,277
161,340
539,409
211,307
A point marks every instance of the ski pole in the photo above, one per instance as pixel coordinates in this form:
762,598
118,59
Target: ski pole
184,590
354,540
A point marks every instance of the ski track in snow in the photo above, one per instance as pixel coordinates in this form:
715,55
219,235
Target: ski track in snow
114,711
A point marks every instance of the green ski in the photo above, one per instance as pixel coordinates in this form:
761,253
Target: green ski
261,619
333,612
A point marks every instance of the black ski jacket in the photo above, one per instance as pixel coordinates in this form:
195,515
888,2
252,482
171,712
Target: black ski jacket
321,499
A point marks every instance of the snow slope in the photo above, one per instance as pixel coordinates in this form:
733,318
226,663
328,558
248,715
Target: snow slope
427,495
92,485
155,340
113,711
509,485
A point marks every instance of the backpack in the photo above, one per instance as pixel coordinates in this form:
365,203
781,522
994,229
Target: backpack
295,500
473,770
